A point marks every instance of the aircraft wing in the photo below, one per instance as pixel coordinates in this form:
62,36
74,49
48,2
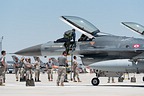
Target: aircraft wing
140,56
92,47
110,50
35,58
97,54
134,27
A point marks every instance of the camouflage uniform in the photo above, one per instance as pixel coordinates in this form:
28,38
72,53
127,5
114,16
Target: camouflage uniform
1,75
28,68
37,70
61,75
76,71
61,70
3,67
69,35
17,69
49,70
22,69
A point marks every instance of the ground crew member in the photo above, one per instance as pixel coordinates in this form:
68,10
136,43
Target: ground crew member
37,69
3,67
68,36
17,68
67,71
75,69
61,69
28,68
22,70
49,68
109,80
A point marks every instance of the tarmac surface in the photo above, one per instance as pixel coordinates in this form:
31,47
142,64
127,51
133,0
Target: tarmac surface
84,88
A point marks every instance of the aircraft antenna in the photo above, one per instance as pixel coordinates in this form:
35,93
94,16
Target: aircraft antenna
1,38
1,43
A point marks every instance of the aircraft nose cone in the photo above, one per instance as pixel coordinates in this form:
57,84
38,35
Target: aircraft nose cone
31,51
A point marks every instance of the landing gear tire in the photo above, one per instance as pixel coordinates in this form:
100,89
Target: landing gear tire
120,79
133,79
95,81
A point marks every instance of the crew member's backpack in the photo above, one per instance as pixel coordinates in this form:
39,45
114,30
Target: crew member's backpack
30,82
68,34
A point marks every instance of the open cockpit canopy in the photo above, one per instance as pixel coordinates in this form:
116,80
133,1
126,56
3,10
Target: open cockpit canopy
81,25
135,27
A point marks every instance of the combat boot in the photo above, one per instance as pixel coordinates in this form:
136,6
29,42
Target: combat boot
16,78
108,80
79,80
113,80
57,83
3,80
62,84
74,80
1,84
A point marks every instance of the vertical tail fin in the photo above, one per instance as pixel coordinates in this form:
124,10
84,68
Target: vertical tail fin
35,58
14,58
42,64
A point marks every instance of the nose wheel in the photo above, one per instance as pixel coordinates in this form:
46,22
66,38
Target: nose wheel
95,81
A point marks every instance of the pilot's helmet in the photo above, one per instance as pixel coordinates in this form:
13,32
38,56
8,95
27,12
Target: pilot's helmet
73,30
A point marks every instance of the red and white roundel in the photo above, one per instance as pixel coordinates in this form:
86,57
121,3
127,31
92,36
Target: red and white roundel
136,45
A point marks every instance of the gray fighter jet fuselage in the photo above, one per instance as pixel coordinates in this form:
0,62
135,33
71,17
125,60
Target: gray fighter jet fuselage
104,47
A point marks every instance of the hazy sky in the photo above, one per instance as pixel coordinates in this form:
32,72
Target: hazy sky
25,23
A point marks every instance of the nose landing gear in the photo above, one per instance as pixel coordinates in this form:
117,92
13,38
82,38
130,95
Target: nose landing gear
95,81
